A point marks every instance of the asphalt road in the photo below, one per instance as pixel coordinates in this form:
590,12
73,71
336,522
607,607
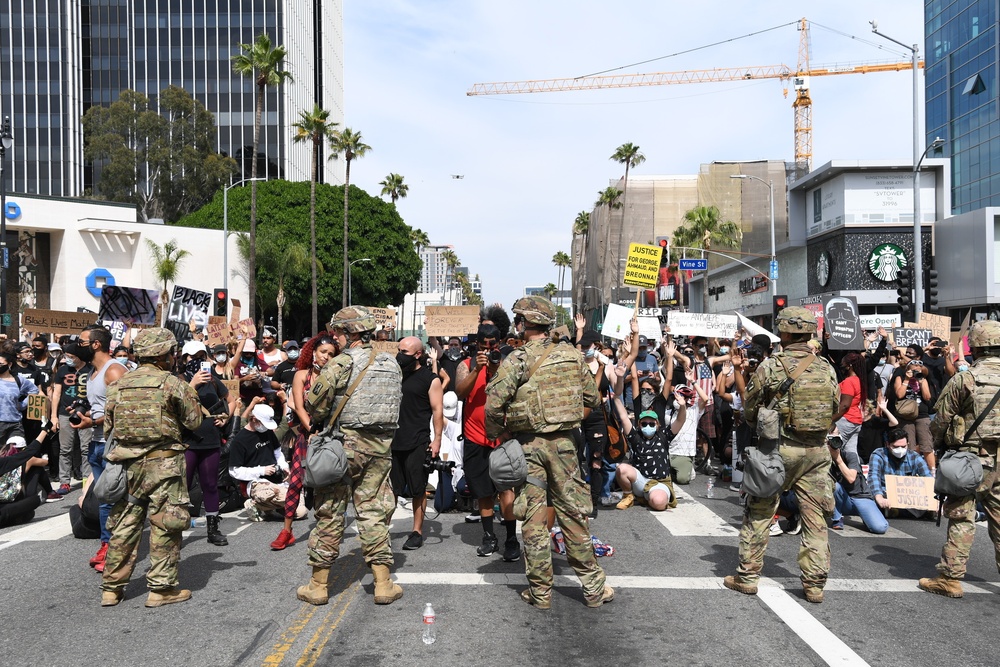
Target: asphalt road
670,609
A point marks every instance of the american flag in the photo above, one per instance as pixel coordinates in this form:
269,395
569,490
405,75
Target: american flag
704,378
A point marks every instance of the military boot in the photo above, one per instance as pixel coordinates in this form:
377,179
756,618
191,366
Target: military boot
111,598
215,535
386,591
813,594
167,596
316,591
941,585
738,585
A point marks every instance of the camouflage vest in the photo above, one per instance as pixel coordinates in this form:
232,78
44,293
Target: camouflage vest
810,399
987,379
375,403
141,419
552,398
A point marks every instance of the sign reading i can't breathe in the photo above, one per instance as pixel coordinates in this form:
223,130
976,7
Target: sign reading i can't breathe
642,268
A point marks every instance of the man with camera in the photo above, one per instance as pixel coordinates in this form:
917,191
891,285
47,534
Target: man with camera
413,445
472,377
69,401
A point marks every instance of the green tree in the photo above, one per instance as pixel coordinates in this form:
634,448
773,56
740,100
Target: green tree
562,262
550,291
349,143
610,197
704,228
278,257
262,63
166,261
581,226
315,127
628,155
420,241
394,187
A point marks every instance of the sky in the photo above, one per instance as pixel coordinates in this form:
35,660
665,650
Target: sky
531,163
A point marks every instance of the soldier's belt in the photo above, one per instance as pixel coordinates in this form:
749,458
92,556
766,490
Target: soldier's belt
524,438
162,453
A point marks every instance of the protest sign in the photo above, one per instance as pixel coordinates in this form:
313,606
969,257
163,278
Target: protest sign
963,331
388,346
451,320
129,304
38,407
912,493
840,318
245,329
711,325
562,331
218,333
873,322
233,386
186,306
642,266
754,329
940,325
650,328
616,322
119,330
904,337
56,321
817,311
385,318
216,319
234,314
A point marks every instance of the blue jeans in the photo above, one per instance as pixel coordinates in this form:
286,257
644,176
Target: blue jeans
866,508
608,478
95,456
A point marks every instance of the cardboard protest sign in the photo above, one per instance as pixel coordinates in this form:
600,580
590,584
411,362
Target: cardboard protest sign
886,321
940,325
392,347
385,318
904,337
129,304
451,320
841,321
56,321
912,493
958,338
218,333
755,329
216,319
233,386
38,407
642,267
711,325
617,322
562,331
650,328
245,329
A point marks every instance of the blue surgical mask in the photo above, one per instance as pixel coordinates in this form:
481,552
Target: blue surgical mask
963,367
724,349
590,353
641,356
648,431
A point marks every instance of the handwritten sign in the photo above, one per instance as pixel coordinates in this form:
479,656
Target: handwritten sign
385,318
216,319
940,325
642,267
650,328
245,329
218,333
38,407
559,332
233,386
188,308
56,321
914,493
753,329
452,320
711,325
129,304
385,346
617,322
904,337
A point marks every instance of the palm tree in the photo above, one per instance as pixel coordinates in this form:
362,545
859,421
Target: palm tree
283,261
348,142
451,260
610,197
628,155
581,226
394,186
562,261
550,291
166,265
313,126
704,228
420,240
262,63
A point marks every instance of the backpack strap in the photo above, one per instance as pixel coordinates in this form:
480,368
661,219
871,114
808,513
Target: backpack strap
981,417
350,390
534,367
791,378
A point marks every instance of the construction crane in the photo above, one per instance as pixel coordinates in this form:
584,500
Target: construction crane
798,77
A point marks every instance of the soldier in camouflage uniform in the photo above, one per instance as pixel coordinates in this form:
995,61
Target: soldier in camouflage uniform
804,453
369,460
540,412
147,409
965,396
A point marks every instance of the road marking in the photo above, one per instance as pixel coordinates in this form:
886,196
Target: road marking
44,531
9,544
288,637
322,635
692,519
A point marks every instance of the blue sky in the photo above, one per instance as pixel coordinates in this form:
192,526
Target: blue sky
532,162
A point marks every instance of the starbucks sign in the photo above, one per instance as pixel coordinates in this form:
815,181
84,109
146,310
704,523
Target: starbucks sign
885,262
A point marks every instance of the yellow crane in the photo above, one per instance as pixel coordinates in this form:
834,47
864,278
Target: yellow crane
798,76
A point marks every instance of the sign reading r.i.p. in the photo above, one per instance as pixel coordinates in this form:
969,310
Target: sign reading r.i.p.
642,269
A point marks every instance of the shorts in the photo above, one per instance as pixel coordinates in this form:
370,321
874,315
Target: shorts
408,472
476,463
641,487
683,468
918,435
706,424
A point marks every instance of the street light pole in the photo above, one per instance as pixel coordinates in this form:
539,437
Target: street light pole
6,141
350,291
225,233
771,272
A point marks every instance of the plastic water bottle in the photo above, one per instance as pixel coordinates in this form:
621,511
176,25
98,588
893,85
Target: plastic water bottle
429,635
198,522
710,487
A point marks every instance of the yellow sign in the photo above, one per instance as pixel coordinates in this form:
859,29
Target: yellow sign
642,269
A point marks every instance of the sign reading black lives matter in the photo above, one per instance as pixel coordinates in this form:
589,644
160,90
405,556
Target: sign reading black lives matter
841,321
186,305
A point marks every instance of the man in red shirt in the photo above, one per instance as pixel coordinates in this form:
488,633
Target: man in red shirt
472,376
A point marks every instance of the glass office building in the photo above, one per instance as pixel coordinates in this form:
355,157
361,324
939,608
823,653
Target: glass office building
60,57
960,79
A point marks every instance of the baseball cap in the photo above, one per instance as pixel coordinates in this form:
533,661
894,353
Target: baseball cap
290,344
450,405
648,414
52,347
193,347
220,348
265,415
643,341
250,346
17,441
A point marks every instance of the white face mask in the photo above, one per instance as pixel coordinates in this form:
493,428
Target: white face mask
260,428
898,452
221,358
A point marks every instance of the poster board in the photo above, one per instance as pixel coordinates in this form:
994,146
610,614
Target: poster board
385,318
233,386
904,337
187,311
958,338
617,322
841,321
642,266
388,346
38,407
56,321
561,331
940,325
711,325
754,329
912,493
245,329
234,314
129,304
451,320
218,333
650,328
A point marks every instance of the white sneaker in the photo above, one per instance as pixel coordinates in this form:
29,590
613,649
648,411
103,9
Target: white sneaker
775,530
253,513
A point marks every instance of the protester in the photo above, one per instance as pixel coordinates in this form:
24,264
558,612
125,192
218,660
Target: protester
14,392
269,354
451,478
910,383
851,493
895,458
23,479
255,459
68,386
853,400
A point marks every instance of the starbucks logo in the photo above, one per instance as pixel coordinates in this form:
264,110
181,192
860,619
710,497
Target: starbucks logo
885,262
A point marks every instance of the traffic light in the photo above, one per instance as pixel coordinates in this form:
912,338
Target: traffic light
221,302
931,290
779,302
664,243
904,298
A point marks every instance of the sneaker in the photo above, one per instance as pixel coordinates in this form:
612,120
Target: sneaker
775,529
284,539
489,546
793,525
253,513
626,502
53,497
63,489
414,541
709,469
611,500
837,525
98,558
473,518
511,551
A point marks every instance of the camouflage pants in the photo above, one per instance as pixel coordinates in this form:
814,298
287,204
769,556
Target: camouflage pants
807,473
374,504
961,513
554,460
161,481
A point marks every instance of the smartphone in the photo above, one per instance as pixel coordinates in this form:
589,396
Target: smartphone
206,366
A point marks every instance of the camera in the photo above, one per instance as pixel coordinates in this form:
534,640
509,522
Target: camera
77,408
433,463
496,356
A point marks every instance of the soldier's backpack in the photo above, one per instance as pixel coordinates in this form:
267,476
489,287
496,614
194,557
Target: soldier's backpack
326,460
809,397
985,397
551,394
139,411
375,402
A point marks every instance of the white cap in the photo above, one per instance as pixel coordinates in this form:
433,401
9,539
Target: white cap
54,346
17,441
265,415
250,346
193,347
450,405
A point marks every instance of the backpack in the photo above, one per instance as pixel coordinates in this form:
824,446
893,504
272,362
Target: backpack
375,402
987,387
551,397
112,485
810,396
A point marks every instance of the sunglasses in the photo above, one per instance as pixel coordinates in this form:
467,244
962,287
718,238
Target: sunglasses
653,424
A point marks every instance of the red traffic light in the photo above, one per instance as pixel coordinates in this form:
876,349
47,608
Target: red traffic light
663,243
780,303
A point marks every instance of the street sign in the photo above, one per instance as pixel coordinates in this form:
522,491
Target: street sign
650,312
774,269
693,264
5,320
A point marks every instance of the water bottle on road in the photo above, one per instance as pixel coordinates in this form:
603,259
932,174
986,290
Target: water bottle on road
429,635
198,522
710,487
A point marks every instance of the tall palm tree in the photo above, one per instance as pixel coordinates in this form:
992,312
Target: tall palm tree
394,187
166,265
550,291
562,261
610,197
704,228
451,261
315,127
420,240
628,155
349,143
581,228
261,62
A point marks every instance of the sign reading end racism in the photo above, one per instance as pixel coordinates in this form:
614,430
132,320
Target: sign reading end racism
642,268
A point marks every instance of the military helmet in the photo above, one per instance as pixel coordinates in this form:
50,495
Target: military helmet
154,342
796,319
353,319
535,309
985,334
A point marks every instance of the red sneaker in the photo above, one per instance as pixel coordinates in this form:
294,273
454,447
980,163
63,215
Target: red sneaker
97,562
284,539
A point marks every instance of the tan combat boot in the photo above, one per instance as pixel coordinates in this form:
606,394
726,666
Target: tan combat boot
945,586
607,595
167,596
111,598
316,591
813,594
386,591
735,584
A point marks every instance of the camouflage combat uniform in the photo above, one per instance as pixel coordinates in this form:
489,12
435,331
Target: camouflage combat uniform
807,465
148,408
551,456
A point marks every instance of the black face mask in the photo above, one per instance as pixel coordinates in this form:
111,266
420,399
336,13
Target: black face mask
193,367
85,353
454,354
39,354
406,362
